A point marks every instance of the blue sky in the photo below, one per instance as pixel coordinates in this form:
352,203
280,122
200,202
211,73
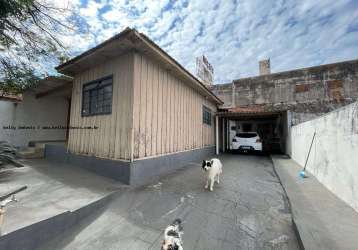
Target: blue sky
234,35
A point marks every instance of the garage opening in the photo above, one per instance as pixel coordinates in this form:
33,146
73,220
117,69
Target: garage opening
269,129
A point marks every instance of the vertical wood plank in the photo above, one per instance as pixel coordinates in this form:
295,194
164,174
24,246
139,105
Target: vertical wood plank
143,103
117,95
113,117
129,114
160,112
175,114
181,116
136,103
82,132
172,111
178,115
154,116
148,144
167,113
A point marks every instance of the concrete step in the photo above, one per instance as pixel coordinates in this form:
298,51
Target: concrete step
31,153
35,235
58,197
322,220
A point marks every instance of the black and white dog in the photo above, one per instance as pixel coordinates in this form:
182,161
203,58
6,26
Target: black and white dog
172,236
214,169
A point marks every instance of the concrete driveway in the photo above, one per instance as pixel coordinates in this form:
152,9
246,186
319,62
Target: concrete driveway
248,210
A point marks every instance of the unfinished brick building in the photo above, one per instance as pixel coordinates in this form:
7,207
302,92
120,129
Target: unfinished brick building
306,93
272,102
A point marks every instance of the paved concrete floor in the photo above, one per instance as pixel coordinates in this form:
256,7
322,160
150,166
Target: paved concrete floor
248,210
52,190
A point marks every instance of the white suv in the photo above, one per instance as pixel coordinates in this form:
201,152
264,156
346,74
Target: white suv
247,141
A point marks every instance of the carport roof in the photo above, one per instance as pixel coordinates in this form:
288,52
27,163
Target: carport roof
59,85
251,111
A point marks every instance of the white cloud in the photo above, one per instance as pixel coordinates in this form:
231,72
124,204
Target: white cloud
233,34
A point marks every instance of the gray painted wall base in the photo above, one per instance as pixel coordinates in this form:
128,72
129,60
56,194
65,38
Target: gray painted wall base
136,173
147,170
118,170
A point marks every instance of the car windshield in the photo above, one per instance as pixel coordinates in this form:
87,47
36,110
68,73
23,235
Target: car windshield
246,135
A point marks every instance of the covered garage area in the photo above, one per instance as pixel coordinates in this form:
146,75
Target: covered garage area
272,127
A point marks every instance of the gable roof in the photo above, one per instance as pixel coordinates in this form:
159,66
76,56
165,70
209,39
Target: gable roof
131,40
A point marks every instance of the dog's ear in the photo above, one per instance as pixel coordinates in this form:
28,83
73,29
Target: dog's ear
204,163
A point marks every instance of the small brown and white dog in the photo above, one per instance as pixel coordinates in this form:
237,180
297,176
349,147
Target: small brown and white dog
172,236
214,169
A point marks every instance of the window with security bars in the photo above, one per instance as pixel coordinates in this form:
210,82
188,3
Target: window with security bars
206,115
97,97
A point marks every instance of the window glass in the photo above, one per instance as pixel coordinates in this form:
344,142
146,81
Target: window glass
246,135
206,115
97,97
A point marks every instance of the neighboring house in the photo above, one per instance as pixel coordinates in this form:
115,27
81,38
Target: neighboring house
271,102
148,114
307,92
31,117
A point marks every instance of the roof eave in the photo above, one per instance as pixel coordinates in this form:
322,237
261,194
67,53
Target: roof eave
62,67
65,67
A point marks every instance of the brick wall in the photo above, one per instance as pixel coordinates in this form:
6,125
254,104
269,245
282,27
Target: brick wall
306,92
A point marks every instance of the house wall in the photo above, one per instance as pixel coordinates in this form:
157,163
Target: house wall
333,159
112,139
7,115
36,113
167,113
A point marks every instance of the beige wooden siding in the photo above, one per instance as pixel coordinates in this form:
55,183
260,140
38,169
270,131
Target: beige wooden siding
167,113
112,139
